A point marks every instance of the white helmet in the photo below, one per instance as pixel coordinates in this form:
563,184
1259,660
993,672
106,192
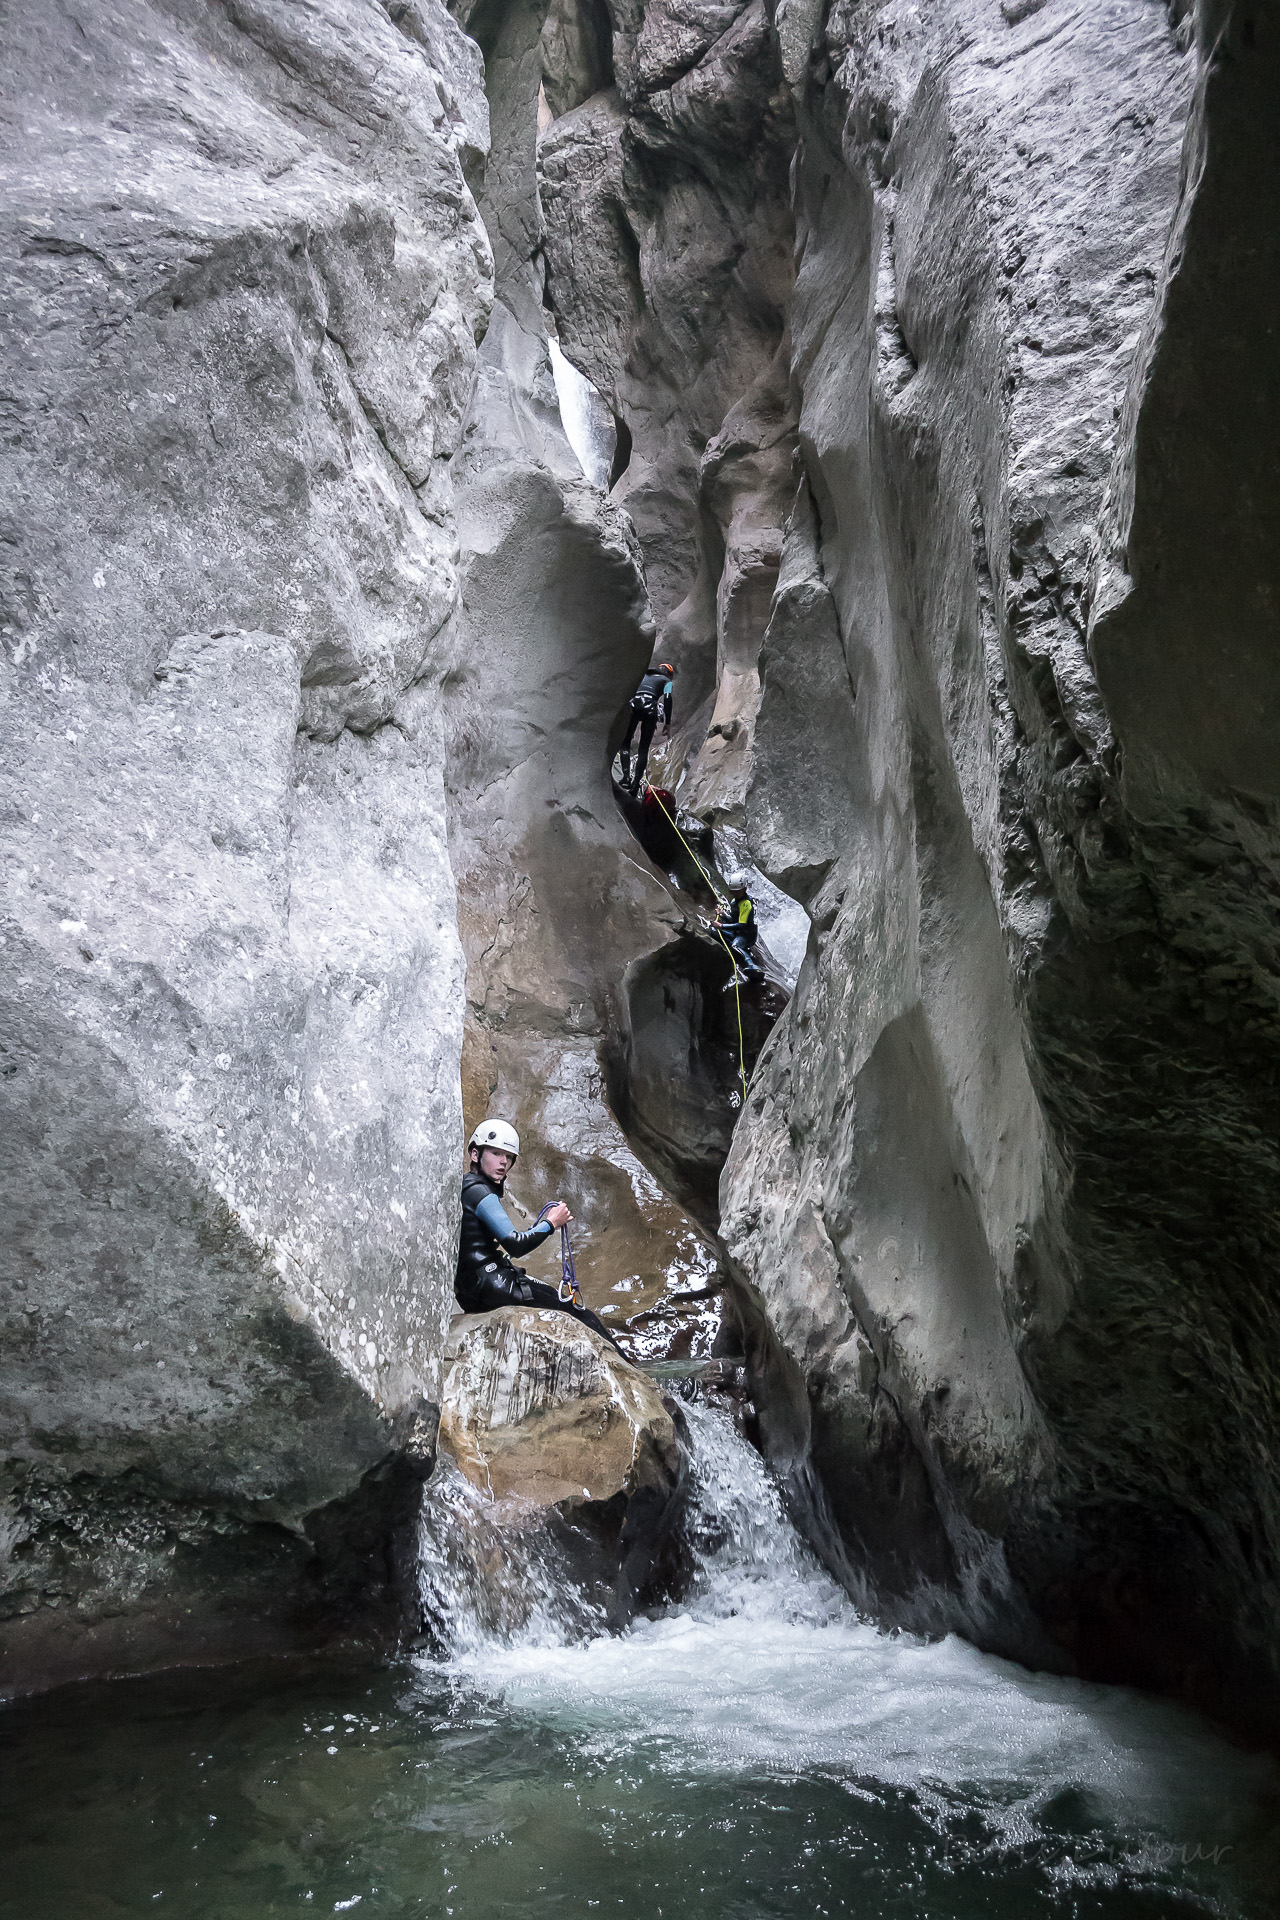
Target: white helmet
736,881
496,1133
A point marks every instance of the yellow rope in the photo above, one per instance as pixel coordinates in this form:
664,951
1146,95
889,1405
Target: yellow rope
737,991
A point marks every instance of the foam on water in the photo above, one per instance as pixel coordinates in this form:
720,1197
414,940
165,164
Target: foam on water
767,1666
759,1751
585,417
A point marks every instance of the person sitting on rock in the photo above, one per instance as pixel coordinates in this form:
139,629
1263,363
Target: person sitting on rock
487,1277
651,698
736,925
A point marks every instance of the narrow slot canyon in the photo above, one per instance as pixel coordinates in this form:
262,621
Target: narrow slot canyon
892,1524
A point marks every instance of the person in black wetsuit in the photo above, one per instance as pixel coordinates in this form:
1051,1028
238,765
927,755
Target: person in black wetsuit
651,698
736,924
487,1277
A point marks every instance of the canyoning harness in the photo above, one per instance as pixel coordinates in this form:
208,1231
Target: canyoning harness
653,696
568,1292
738,920
724,907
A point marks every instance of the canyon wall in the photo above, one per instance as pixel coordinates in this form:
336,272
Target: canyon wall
1002,1207
932,437
244,278
1000,712
668,253
315,630
554,629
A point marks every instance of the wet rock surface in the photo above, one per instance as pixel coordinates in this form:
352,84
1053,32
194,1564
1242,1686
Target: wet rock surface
683,1052
243,277
554,629
538,1407
1005,1186
935,346
668,247
1001,1205
571,1448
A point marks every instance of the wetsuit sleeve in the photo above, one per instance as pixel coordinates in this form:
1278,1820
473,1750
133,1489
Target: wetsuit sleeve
494,1216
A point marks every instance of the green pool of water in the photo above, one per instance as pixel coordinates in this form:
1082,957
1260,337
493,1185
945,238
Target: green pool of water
389,1792
759,1750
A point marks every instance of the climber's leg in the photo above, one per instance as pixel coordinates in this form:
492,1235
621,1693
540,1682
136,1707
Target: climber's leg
546,1296
745,965
648,726
624,752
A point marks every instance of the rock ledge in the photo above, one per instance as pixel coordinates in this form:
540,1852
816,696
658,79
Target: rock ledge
538,1408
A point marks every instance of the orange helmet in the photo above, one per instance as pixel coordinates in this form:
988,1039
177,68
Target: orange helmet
665,666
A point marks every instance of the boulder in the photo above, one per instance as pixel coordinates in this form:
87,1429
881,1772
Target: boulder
538,1407
242,277
540,1413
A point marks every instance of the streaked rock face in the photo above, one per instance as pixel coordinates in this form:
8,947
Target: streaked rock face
937,346
1002,1201
668,251
536,1407
243,279
579,1468
1005,1182
554,630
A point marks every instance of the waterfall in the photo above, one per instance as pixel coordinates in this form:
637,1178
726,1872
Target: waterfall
496,1575
585,417
766,1665
493,1573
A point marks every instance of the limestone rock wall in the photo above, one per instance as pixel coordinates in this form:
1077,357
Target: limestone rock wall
243,280
985,674
668,250
935,342
1005,1190
553,631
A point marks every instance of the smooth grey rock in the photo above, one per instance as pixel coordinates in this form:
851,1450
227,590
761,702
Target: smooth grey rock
1003,1190
553,631
243,277
576,50
668,250
805,717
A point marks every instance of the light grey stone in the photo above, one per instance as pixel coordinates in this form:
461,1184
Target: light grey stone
983,1184
553,631
243,278
945,410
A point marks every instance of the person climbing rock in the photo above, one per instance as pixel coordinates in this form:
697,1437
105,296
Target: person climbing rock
736,925
650,699
487,1277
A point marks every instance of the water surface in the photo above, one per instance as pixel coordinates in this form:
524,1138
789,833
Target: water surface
758,1751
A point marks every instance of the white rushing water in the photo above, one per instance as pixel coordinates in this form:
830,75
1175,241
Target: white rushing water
585,417
766,1666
